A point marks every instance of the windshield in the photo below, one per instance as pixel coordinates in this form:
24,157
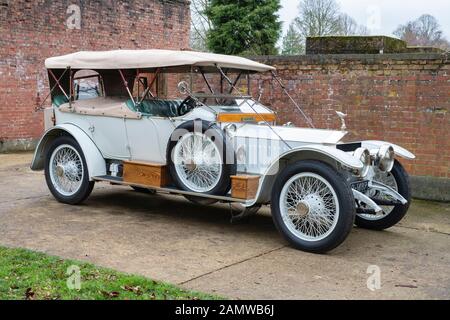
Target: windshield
216,89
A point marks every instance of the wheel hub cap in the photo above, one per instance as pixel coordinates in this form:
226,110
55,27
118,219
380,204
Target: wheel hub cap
60,170
191,165
302,209
315,202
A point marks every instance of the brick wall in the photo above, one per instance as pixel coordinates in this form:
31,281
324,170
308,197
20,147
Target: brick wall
401,98
34,30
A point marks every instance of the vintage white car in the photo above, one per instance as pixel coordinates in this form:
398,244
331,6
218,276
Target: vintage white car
116,118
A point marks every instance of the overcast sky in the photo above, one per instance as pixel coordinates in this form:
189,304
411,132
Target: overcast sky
382,16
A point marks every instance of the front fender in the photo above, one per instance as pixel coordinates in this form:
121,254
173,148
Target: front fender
399,151
94,159
329,155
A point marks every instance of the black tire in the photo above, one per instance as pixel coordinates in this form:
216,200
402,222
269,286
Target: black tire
402,179
143,190
215,133
86,186
344,196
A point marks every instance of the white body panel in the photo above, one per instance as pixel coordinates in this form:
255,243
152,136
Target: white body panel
248,106
309,151
290,134
108,133
264,145
48,115
110,136
399,151
148,138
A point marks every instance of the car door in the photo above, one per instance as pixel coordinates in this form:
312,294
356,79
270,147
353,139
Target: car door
148,137
110,136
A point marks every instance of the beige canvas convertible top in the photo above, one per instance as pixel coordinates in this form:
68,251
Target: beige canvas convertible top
154,58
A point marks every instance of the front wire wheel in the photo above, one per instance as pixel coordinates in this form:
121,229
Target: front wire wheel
386,178
397,179
312,206
309,206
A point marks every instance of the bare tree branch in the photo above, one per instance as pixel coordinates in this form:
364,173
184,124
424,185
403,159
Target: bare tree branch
200,24
320,18
425,31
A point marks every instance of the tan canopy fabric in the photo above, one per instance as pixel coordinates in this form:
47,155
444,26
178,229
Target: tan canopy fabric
108,107
134,59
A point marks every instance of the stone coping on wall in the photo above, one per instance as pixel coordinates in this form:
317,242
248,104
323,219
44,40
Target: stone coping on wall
369,58
354,44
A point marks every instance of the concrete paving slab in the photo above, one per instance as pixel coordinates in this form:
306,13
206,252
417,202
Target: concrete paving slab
412,264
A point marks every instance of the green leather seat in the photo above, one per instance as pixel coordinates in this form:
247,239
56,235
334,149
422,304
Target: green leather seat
59,100
156,108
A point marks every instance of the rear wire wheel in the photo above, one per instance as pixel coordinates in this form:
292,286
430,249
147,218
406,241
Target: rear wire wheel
66,172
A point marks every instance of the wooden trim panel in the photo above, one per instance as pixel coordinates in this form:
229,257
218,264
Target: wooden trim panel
144,173
244,186
246,117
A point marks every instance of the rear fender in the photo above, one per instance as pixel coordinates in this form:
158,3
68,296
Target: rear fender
94,159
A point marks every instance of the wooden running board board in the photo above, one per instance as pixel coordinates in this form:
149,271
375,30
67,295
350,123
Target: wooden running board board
168,189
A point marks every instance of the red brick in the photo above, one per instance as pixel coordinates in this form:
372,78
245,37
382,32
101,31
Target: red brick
32,31
410,108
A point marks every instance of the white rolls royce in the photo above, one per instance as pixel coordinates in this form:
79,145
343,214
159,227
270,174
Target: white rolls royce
117,117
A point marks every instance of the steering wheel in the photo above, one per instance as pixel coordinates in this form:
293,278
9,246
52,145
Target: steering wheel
187,105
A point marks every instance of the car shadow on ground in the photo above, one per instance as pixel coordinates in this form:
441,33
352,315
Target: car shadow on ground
146,208
126,202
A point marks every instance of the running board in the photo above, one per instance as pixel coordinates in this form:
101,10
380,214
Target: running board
169,189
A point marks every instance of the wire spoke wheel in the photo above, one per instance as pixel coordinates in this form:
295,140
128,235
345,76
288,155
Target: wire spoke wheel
388,179
398,180
309,206
66,170
198,162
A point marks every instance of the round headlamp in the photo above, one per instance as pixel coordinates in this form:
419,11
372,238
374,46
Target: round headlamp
241,155
385,158
230,129
364,156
